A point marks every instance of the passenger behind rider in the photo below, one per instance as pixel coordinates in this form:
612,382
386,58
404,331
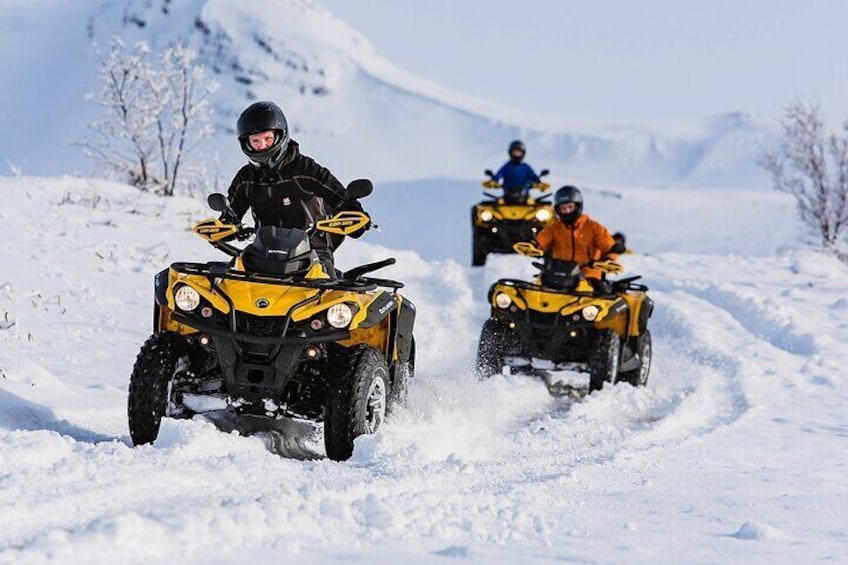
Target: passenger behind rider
517,176
281,186
580,238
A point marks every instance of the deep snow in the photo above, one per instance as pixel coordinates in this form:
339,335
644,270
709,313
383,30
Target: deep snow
734,451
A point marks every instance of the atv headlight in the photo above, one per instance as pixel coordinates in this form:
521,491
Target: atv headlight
543,214
339,315
591,312
487,216
503,300
187,298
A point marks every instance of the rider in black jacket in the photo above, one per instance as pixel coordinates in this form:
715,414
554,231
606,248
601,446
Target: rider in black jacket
280,184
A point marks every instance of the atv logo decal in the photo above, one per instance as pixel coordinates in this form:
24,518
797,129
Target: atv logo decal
262,303
386,308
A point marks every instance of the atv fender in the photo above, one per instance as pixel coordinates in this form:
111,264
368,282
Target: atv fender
379,308
160,287
404,322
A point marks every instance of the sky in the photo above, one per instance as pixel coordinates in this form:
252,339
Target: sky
645,62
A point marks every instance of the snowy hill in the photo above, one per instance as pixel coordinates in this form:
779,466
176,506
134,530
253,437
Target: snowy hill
734,451
355,111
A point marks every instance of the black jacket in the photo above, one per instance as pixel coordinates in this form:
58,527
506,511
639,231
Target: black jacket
277,196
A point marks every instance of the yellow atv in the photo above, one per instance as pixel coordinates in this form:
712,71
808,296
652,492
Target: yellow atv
271,335
498,223
560,322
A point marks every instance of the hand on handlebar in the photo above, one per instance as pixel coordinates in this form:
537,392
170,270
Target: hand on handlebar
491,184
609,266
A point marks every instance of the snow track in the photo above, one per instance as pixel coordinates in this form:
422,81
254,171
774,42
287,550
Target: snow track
732,440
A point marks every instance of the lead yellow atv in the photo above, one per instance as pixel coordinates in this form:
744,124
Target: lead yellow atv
271,335
497,223
559,322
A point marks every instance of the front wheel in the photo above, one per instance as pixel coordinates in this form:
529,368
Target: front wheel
154,369
604,360
478,249
491,349
639,377
356,404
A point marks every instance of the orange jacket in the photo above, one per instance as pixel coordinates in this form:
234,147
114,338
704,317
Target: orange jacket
587,240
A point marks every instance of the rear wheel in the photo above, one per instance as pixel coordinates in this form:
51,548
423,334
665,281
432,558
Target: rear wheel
604,360
479,250
154,369
490,351
356,404
402,372
639,377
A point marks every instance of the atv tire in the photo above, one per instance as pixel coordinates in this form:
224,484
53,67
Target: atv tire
154,368
479,249
639,377
491,349
356,403
402,372
604,360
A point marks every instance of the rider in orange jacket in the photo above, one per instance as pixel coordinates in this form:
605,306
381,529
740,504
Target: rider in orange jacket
577,237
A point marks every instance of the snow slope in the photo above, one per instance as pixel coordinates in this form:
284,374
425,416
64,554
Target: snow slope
356,111
734,451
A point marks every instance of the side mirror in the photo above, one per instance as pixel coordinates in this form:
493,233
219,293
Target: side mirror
544,173
488,173
218,202
359,188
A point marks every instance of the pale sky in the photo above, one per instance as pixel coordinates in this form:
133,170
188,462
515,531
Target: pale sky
641,62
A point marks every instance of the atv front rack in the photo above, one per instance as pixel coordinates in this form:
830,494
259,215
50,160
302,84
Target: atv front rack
223,271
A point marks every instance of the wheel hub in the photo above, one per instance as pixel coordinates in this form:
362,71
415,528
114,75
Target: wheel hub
375,408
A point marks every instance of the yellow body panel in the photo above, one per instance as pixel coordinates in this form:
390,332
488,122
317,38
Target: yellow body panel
553,302
503,211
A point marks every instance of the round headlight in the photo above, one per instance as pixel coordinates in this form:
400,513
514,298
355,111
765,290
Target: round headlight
591,312
487,216
339,315
503,300
187,298
543,214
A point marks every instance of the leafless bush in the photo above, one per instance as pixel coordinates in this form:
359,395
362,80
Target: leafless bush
155,112
812,165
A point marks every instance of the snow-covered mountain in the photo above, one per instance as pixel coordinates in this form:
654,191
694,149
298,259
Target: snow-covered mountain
350,107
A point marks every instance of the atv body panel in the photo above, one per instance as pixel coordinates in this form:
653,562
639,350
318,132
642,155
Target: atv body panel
498,225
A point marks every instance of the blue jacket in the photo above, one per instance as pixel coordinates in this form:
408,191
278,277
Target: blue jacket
517,178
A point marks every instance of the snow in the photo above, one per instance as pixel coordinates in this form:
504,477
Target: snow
737,437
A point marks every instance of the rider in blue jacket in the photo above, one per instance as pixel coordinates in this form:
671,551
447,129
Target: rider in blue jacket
517,176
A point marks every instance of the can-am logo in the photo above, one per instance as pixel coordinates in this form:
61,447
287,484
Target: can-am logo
262,303
386,308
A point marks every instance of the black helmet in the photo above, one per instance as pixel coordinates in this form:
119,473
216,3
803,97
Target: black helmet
259,117
567,194
517,144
